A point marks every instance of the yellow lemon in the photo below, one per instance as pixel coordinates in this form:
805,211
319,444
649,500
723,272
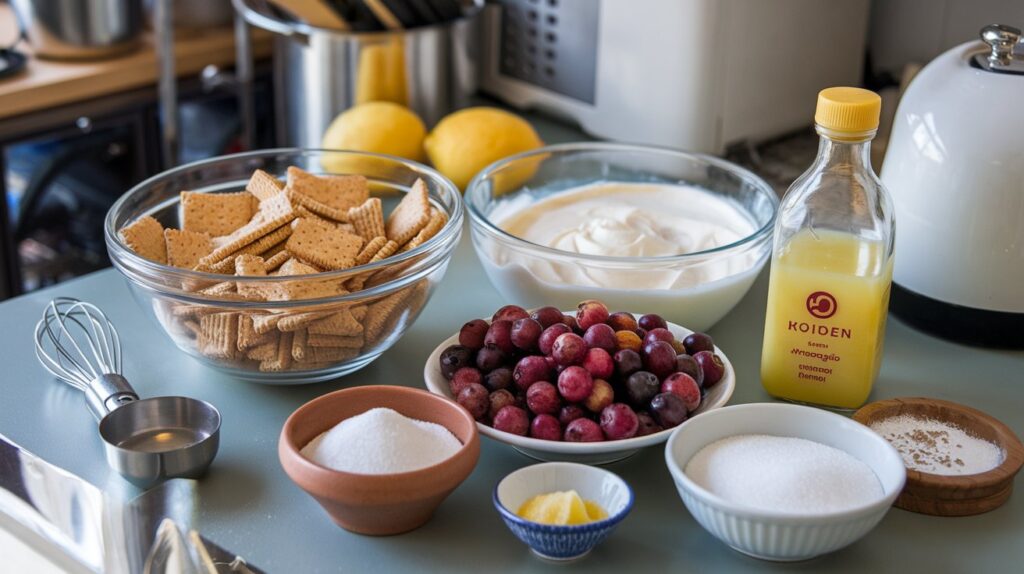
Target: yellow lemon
378,127
465,142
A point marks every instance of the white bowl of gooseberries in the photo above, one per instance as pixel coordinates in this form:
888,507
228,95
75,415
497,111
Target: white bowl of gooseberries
589,386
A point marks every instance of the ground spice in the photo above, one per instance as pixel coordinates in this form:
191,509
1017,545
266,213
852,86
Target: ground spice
937,447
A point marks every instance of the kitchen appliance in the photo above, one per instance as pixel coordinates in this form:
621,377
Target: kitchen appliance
146,441
690,74
321,72
80,29
955,168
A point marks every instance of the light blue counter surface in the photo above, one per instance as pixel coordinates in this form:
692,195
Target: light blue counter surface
249,506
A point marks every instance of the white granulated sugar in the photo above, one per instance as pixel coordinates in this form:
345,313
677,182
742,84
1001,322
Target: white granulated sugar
382,441
938,447
783,474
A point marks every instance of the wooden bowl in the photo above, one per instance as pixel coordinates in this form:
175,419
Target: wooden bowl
378,504
953,495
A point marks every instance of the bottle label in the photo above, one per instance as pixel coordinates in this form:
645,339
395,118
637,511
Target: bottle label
823,344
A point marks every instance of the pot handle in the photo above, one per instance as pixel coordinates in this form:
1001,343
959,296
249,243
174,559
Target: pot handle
258,17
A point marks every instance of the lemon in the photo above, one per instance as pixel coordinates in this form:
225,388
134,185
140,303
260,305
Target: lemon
465,142
561,508
378,127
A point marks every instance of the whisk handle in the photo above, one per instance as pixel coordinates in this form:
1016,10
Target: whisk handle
107,392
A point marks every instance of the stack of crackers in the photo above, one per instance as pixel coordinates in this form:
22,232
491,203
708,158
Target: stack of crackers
304,226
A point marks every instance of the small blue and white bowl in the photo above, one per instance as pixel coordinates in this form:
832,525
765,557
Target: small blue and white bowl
563,543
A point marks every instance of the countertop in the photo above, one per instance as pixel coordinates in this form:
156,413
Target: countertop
48,83
249,506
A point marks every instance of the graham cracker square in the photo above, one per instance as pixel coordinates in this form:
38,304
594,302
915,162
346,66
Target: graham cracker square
216,213
145,236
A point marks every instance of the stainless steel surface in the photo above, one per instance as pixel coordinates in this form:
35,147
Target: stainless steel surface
320,73
146,441
1002,41
244,74
79,528
197,14
80,29
167,85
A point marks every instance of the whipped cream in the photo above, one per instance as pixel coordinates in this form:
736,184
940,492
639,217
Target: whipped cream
629,220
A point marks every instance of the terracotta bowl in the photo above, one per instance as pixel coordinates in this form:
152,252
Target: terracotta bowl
378,504
953,495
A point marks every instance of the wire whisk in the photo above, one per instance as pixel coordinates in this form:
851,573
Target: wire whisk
77,343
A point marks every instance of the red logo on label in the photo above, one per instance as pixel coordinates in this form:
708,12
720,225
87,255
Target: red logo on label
822,304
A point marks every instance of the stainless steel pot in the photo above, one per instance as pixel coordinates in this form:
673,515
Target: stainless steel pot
80,29
319,73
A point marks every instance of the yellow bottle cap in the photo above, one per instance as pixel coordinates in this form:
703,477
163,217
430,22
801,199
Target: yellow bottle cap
848,110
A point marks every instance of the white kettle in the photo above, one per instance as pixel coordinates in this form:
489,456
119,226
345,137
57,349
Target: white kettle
955,168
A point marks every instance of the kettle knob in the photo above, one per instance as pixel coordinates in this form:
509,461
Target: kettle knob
1002,40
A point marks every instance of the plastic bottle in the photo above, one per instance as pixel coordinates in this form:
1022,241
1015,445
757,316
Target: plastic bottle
831,270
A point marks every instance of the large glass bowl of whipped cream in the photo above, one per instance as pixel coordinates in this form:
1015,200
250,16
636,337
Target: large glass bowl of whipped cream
679,234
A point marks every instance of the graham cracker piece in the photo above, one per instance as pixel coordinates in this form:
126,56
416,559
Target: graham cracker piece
300,289
316,207
336,191
273,208
185,248
295,267
386,251
368,219
222,290
370,249
410,215
433,226
250,266
359,313
324,246
302,211
218,335
186,310
265,351
299,345
335,341
277,260
282,359
382,313
263,185
327,355
274,249
341,323
300,320
216,213
145,236
264,233
247,335
265,323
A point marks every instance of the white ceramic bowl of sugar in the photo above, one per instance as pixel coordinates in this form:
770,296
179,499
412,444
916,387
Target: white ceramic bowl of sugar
777,535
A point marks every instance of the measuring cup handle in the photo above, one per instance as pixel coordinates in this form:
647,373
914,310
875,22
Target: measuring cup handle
107,392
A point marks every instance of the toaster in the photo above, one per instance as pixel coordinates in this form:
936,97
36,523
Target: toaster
691,74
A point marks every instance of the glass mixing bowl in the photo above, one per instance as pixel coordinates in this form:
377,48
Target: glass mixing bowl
188,308
693,289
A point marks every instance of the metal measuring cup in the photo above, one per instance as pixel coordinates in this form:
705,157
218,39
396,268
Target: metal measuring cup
146,440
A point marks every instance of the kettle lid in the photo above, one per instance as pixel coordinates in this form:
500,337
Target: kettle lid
1002,40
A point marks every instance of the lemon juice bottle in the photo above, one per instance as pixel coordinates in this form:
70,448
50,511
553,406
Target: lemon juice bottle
831,270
